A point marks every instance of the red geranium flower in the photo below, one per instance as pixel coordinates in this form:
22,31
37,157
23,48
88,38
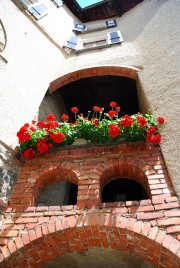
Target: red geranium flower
43,140
30,153
32,129
25,127
112,113
96,109
126,121
57,137
74,110
156,139
141,121
151,130
23,136
41,124
51,117
113,104
65,117
114,130
52,124
148,137
118,108
96,123
160,120
42,147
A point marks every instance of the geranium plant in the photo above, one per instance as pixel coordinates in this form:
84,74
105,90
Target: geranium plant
96,127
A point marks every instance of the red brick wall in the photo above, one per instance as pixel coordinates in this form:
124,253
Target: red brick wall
32,235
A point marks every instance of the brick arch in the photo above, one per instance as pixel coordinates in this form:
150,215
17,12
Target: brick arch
51,174
41,178
71,234
126,167
125,71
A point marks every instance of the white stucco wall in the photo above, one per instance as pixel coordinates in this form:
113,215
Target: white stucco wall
151,41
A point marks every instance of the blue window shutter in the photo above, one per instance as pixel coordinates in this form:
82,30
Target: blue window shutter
79,28
71,42
40,8
115,37
111,23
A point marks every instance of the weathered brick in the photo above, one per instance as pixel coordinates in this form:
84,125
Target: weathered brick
25,238
9,233
119,210
141,209
167,241
172,213
167,206
150,216
175,245
5,251
173,229
171,221
12,247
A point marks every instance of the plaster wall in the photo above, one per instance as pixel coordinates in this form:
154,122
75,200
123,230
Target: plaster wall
151,42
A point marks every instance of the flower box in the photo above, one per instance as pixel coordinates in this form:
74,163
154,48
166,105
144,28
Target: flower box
97,128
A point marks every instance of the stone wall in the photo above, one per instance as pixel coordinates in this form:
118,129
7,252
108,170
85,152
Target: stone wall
9,167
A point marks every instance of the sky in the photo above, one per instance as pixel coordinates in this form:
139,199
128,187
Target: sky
86,3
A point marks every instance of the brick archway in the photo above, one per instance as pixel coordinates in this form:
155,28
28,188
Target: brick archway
51,174
125,71
123,160
32,235
127,167
71,234
41,178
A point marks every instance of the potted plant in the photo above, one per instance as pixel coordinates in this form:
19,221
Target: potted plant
97,127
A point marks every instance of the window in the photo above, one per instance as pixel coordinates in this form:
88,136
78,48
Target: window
81,45
35,8
87,3
58,3
81,28
114,37
111,23
123,189
38,10
71,44
59,194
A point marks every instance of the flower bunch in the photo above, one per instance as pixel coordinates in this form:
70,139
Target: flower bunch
96,127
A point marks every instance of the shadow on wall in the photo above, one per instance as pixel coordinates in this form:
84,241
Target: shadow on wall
52,104
139,17
98,258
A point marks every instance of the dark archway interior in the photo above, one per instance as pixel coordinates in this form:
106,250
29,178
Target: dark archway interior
59,194
100,90
97,257
73,194
123,189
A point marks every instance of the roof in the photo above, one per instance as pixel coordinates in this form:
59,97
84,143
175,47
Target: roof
102,10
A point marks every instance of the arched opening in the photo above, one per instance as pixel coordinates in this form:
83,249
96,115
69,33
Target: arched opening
58,194
127,238
123,189
100,90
